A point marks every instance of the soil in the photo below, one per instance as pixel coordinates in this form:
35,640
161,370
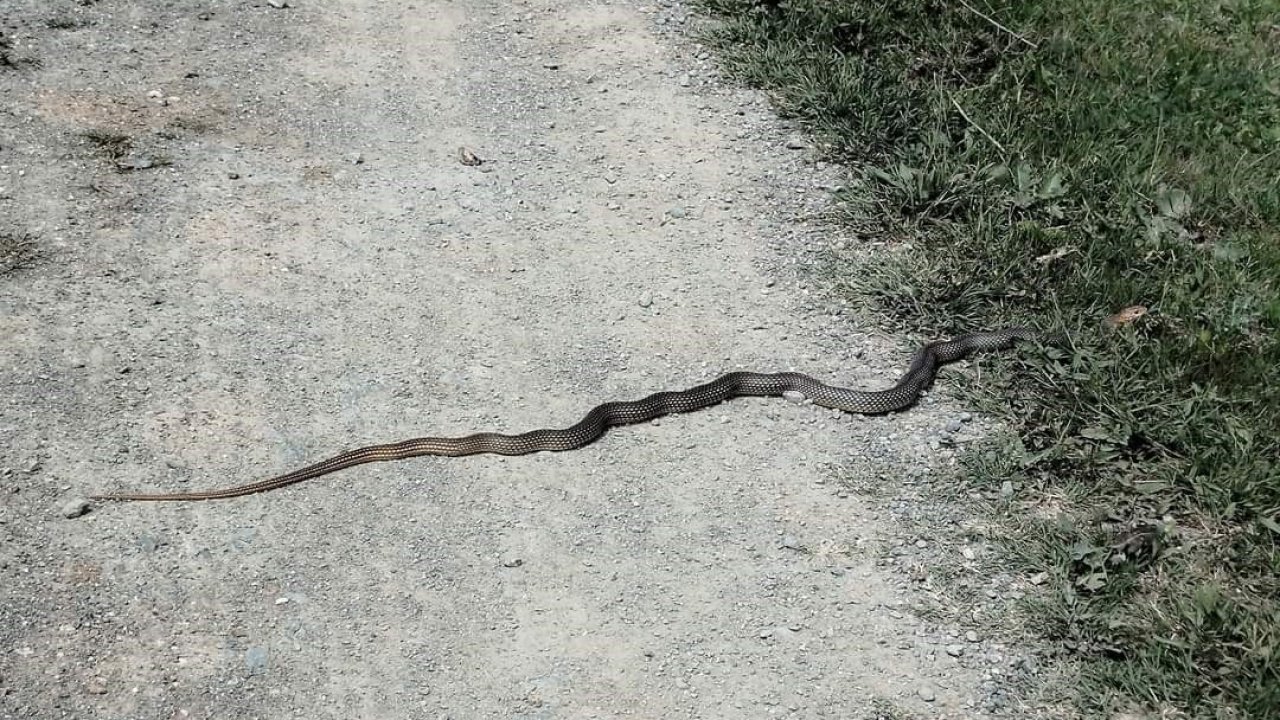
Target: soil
249,235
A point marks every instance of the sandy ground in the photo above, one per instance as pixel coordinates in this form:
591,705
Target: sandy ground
257,246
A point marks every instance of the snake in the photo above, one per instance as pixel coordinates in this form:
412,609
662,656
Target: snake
919,375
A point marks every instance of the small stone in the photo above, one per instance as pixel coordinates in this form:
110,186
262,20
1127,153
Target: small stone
255,660
233,175
955,650
971,636
551,65
796,143
954,425
1006,489
676,212
646,299
790,542
766,633
968,553
685,81
793,396
136,162
282,601
512,561
1038,578
922,544
278,4
155,94
966,417
96,686
356,158
32,465
75,507
926,693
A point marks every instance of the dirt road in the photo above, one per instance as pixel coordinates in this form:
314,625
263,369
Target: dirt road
257,246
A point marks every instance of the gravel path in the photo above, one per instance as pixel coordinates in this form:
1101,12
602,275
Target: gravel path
259,245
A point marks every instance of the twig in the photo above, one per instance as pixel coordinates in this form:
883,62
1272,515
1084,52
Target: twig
977,127
991,20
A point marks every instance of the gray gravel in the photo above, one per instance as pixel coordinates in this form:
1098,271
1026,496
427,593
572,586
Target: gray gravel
289,259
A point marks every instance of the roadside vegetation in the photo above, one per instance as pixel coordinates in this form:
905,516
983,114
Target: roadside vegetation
1111,170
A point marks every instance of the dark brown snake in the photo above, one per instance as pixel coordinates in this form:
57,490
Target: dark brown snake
924,366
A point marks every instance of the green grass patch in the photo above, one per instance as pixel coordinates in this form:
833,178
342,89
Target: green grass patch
1056,163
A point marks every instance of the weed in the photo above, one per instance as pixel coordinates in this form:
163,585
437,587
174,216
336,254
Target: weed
112,145
17,251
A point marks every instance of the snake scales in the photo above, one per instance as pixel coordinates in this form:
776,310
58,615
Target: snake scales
923,368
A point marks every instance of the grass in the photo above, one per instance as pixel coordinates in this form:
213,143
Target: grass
113,145
1058,163
121,151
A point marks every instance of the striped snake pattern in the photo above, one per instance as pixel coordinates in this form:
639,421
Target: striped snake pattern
921,372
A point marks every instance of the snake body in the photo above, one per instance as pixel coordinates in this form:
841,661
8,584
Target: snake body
921,372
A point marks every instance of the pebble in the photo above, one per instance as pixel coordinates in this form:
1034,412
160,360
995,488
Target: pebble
793,396
136,162
926,693
971,636
75,507
676,212
356,158
790,542
646,299
96,686
278,4
255,660
796,143
955,650
954,425
512,561
1006,489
